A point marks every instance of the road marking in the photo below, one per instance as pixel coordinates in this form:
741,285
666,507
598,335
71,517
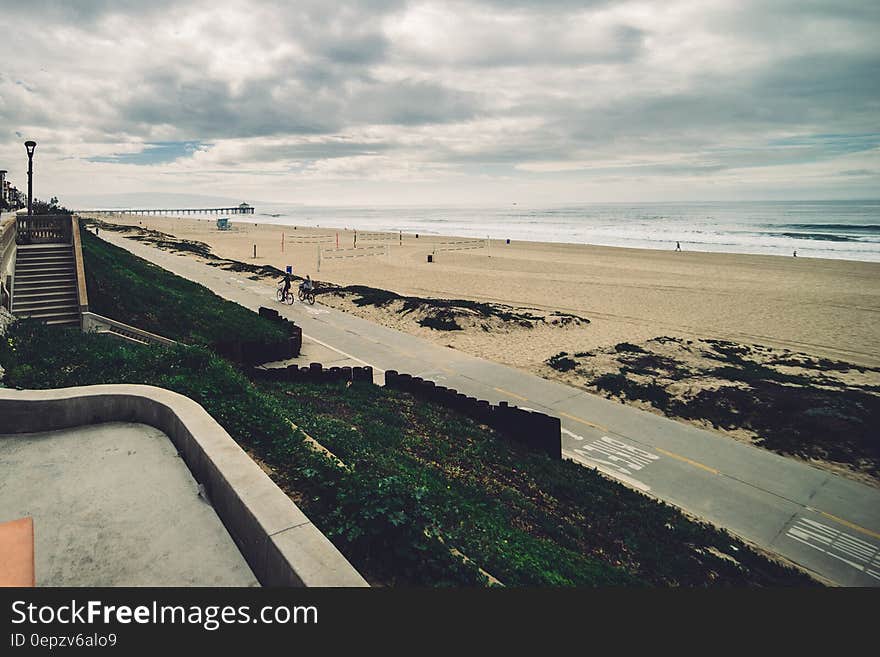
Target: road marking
315,311
635,483
846,523
852,551
347,355
512,394
616,454
582,421
685,459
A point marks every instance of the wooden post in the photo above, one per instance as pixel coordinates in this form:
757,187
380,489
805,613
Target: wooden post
282,242
255,251
319,257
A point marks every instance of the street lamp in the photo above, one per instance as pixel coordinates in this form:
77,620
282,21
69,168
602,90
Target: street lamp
3,173
30,146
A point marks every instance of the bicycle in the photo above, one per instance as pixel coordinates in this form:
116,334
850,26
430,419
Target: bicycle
307,296
280,296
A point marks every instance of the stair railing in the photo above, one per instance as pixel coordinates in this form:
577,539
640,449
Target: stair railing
82,294
43,229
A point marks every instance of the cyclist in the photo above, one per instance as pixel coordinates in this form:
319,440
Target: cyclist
286,287
306,285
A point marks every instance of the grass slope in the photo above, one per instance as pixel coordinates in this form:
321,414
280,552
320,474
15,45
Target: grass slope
131,290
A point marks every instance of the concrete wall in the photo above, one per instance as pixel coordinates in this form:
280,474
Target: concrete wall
7,258
281,545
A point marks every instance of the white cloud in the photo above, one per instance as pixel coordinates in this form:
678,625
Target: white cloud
558,100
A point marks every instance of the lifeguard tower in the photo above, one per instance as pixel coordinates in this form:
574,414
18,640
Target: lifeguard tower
223,223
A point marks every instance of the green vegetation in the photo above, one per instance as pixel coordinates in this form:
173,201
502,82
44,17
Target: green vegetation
49,207
525,518
561,362
420,480
131,290
168,242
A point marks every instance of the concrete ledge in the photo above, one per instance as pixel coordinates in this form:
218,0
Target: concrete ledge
279,542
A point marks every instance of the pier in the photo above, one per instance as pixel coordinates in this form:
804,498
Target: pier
244,208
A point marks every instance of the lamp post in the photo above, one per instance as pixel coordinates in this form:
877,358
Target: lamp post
2,187
30,146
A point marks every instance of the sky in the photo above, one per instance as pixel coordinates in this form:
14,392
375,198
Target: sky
377,102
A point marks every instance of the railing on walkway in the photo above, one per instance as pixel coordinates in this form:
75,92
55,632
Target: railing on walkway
93,323
43,229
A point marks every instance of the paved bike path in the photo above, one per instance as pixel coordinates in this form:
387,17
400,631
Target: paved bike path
824,522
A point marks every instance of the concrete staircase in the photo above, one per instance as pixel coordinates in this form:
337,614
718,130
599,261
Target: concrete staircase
44,285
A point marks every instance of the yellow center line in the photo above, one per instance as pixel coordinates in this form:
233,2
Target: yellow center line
847,523
512,394
582,421
687,460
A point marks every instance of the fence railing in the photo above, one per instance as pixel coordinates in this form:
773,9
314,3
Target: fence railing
43,229
92,322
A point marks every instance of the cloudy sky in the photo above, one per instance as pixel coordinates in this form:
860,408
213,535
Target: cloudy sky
478,101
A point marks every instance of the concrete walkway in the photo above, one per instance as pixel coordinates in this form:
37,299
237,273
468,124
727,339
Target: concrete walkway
114,505
828,524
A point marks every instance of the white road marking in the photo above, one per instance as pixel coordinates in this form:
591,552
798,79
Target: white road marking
316,311
634,483
612,457
853,551
616,454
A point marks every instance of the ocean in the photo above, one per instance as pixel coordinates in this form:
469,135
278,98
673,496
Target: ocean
847,230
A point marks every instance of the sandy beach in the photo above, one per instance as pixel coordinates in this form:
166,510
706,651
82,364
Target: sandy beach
826,308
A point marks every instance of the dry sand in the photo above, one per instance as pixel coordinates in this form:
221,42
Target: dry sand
823,308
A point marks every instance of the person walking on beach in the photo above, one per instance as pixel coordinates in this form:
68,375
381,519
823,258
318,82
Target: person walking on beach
678,246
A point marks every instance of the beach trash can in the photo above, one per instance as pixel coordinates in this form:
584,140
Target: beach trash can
430,258
508,240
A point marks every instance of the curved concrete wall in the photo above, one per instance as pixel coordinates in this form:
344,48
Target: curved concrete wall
279,542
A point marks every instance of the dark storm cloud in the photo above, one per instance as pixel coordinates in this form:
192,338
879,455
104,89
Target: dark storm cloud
268,107
410,103
208,108
74,12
